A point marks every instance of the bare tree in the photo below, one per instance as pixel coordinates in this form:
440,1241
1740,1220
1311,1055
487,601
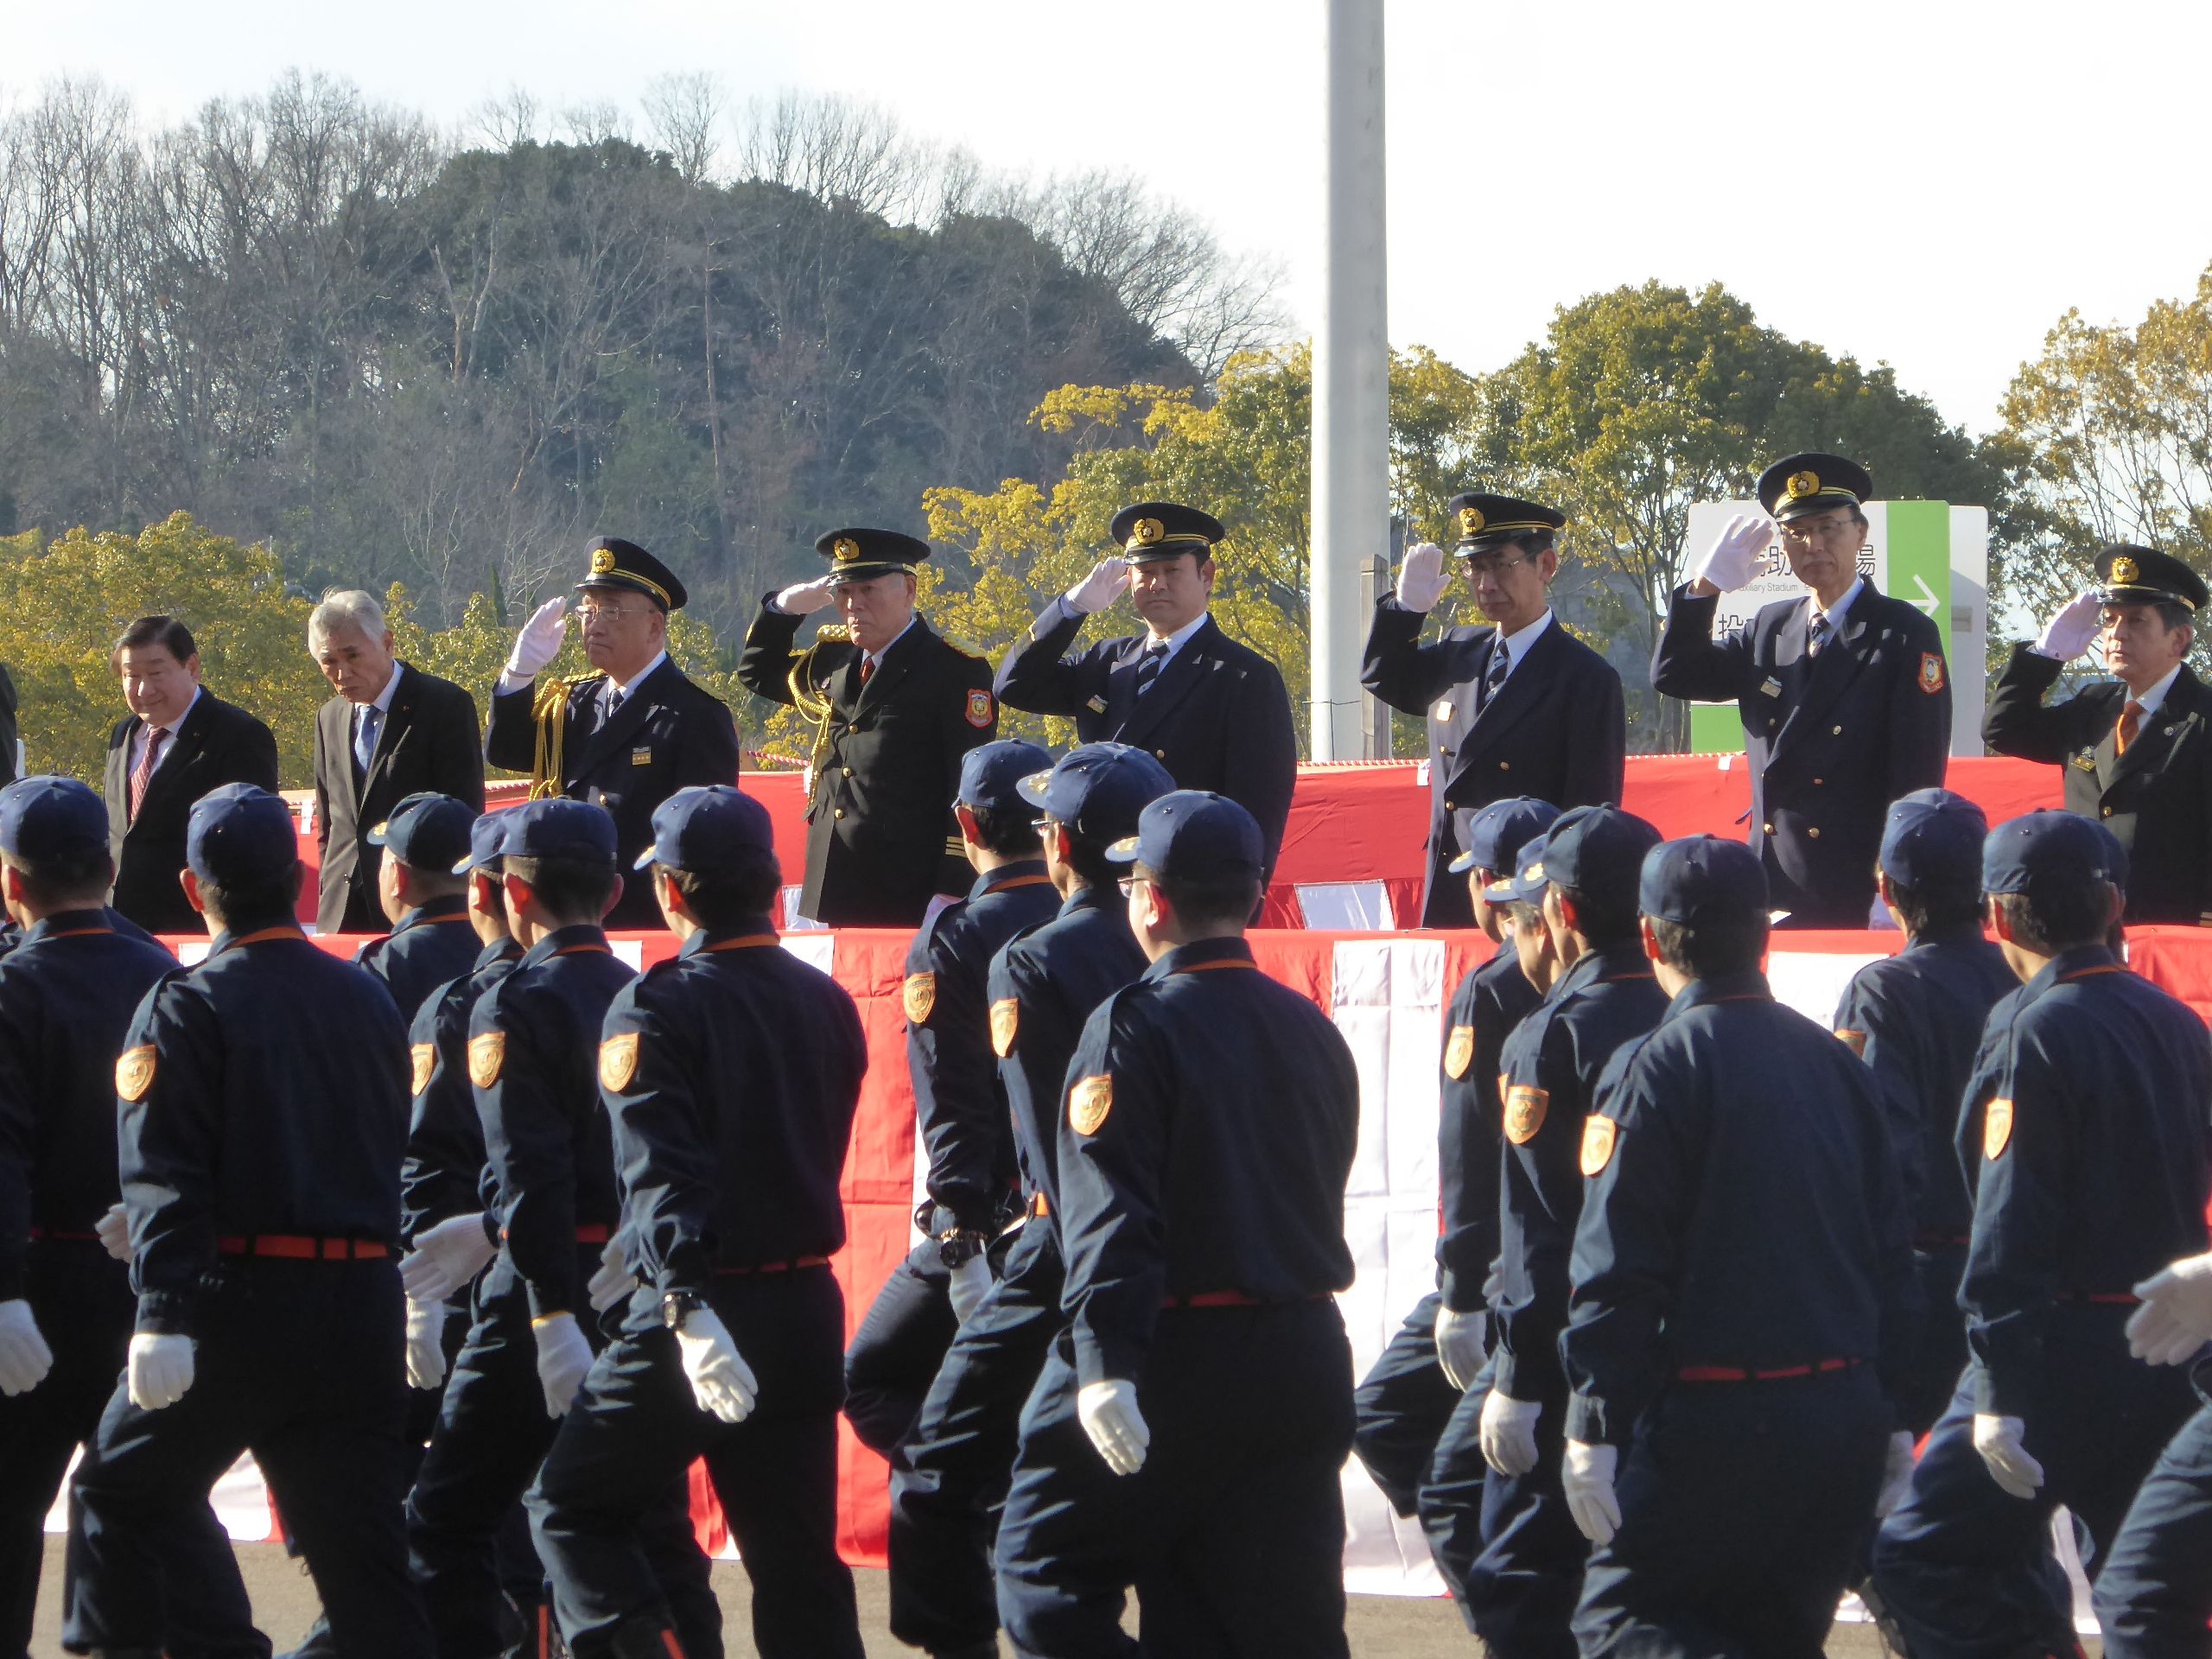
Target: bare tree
684,114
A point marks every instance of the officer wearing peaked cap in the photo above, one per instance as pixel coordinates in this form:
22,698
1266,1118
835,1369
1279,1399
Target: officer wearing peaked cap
1521,706
2136,750
1845,694
1212,711
424,900
632,730
895,708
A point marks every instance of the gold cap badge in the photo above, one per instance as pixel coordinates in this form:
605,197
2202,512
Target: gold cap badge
2124,571
602,561
1801,484
1470,521
1146,532
845,550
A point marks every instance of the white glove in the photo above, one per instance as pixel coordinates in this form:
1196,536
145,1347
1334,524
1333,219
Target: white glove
1110,1415
971,1279
426,1353
2067,634
1105,583
614,1282
446,1257
807,597
722,1382
1734,558
1998,1439
2175,1318
1509,1433
1586,1472
1459,1346
160,1371
113,1231
1897,1474
1421,580
539,642
564,1357
24,1357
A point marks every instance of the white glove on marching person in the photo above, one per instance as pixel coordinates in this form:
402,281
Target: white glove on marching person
1108,1414
2067,634
539,642
970,1281
159,1370
1509,1433
113,1231
426,1353
1896,1473
446,1257
804,598
722,1382
24,1357
564,1357
1734,558
1107,582
1586,1472
1998,1439
2175,1318
614,1282
1421,578
1459,1346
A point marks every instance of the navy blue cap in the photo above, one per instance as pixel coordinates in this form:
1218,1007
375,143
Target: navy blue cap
618,563
991,773
1485,520
50,818
2116,855
486,840
1528,879
2038,845
1193,835
709,824
1099,790
1500,830
1932,835
427,831
239,833
559,828
1599,850
1702,879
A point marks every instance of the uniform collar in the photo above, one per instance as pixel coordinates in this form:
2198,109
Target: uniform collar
1177,640
226,941
498,951
1518,643
586,935
877,657
751,929
1022,870
624,688
2079,963
447,907
1956,933
1836,612
1202,953
1593,967
1721,988
1091,898
93,919
2151,701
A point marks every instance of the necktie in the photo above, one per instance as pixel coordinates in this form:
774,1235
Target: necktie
366,731
2131,722
1818,635
868,667
1501,664
143,773
609,701
1148,665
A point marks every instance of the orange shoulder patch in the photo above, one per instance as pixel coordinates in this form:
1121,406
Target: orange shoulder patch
618,1061
424,1059
1853,1041
487,1054
918,994
1996,1129
1600,1135
1459,1052
134,1073
1006,1021
1526,1107
1089,1102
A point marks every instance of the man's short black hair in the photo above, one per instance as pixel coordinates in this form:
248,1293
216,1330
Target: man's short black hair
1936,905
1605,923
77,881
1202,906
247,906
573,892
1009,831
163,631
1713,949
2057,913
1087,858
742,890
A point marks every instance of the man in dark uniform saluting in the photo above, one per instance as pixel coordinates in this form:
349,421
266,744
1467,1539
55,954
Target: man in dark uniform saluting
1519,707
627,734
1845,696
895,708
1212,711
2137,750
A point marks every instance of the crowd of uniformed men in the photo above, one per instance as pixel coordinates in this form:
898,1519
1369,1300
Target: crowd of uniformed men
480,1242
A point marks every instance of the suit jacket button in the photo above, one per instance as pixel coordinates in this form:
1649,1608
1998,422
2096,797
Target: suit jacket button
1835,731
847,771
2108,811
1450,806
1505,765
1813,834
1816,783
1766,828
1159,754
840,812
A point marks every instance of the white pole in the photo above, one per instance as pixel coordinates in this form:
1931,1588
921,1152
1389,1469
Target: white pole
1351,377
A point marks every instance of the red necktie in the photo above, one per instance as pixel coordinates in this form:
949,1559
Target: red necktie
868,667
143,773
2131,722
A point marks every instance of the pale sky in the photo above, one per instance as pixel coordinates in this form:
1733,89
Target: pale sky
1931,185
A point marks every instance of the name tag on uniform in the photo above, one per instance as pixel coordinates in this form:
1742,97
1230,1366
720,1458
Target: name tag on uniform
1443,712
642,757
2086,762
1771,689
1097,705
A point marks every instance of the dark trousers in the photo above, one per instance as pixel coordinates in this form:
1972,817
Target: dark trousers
491,1433
950,1476
83,1303
1233,1532
635,1427
1416,1435
1743,1506
1522,1588
896,1352
1962,1566
2154,1598
300,1364
1939,1348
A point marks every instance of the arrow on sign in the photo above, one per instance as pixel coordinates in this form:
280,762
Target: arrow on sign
1927,603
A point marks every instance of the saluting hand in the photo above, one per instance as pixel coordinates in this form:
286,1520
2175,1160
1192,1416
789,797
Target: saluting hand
2069,633
807,597
1421,580
1107,582
539,642
1733,559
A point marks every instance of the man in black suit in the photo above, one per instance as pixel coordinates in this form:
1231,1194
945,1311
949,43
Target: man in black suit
625,735
2138,749
391,731
1212,711
896,709
1845,696
179,741
1519,707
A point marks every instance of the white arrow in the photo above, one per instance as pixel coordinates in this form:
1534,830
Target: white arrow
1927,603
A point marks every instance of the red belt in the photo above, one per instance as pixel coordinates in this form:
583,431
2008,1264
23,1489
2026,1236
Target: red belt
773,1267
298,1247
1239,1299
592,1235
68,1238
1738,1374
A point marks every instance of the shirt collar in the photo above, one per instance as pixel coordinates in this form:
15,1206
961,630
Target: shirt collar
563,939
95,920
2154,699
751,927
382,701
1092,897
1720,987
642,676
1835,613
1175,641
876,656
2071,964
176,725
1518,642
447,907
498,951
1615,962
992,880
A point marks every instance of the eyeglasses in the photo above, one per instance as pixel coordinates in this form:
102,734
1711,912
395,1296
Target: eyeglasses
1479,567
590,612
1844,534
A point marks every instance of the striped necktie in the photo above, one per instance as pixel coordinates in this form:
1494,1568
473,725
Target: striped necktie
1819,634
1501,664
1148,665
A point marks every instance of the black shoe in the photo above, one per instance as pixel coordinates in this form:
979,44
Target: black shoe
967,1650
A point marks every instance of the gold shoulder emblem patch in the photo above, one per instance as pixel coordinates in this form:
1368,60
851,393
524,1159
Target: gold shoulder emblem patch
1931,672
1459,1052
1599,1135
980,712
920,995
134,1073
425,1058
1525,1109
1089,1101
487,1054
1996,1129
1005,1021
618,1061
1853,1041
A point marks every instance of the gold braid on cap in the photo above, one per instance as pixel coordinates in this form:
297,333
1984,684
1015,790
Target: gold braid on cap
811,698
551,706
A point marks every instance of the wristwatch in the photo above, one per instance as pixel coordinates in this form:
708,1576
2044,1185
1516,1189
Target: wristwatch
678,1303
958,1246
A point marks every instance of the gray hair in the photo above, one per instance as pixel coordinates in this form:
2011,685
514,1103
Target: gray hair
347,607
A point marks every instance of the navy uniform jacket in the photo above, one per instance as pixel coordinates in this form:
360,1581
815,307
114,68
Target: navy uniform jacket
668,734
1044,985
442,1175
1746,1215
1552,1062
2085,1132
960,1104
263,1092
433,943
533,1060
1832,739
1917,1018
1211,1121
731,1072
66,995
1218,717
2157,798
12,935
1491,1001
1557,731
880,838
